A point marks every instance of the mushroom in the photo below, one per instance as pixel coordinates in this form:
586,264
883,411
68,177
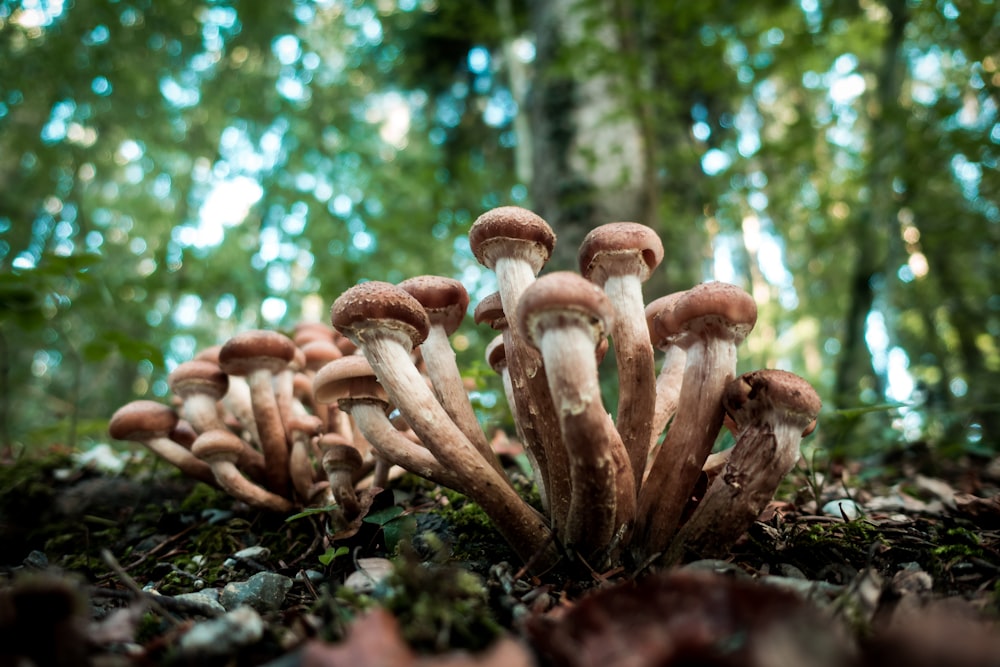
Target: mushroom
350,382
515,243
340,462
668,381
302,428
385,322
619,257
200,384
237,399
565,317
151,424
445,301
773,410
220,449
260,355
710,320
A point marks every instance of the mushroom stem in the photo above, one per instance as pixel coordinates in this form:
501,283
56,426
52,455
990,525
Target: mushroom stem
340,463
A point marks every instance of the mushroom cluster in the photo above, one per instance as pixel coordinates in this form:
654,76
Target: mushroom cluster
246,422
614,490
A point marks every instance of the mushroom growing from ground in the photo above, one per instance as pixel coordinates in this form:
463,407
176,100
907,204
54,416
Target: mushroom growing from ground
259,355
515,244
772,410
566,317
619,257
151,423
220,450
710,320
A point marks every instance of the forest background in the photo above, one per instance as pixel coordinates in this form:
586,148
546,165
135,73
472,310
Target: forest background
173,172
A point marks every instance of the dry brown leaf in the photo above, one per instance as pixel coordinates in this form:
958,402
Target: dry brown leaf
687,618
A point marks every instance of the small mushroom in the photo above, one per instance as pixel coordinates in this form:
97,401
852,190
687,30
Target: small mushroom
773,410
340,462
565,317
350,382
260,355
201,384
302,428
619,257
710,320
151,424
221,449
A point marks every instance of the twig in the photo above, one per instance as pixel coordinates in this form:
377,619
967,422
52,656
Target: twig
131,584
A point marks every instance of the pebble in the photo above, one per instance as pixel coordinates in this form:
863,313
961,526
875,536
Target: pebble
370,573
223,635
843,508
250,553
264,591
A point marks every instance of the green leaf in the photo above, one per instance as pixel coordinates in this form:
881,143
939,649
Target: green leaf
332,554
384,516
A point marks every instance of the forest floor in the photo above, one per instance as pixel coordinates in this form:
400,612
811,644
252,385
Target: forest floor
894,562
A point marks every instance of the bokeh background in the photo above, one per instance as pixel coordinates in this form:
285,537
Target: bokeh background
174,171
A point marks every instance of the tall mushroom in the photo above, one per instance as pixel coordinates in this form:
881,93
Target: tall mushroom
385,322
515,244
260,355
566,317
151,423
710,320
619,257
772,410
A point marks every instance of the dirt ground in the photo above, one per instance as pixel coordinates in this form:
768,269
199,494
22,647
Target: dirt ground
852,564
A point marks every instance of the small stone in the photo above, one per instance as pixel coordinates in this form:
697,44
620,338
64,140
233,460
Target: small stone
843,508
250,553
313,576
370,573
221,636
264,591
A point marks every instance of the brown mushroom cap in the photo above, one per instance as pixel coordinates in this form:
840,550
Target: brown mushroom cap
320,352
490,310
337,457
563,295
656,309
381,305
217,445
508,231
198,377
142,420
620,248
255,350
348,377
444,299
723,309
496,354
752,394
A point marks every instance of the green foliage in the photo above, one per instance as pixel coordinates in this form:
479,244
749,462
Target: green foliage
358,141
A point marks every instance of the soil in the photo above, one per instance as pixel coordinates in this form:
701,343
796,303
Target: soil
902,562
